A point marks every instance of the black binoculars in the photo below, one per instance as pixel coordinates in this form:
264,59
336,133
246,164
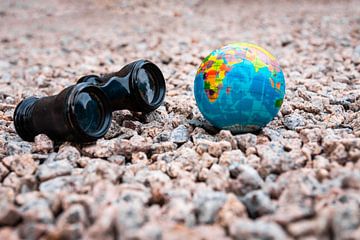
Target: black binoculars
82,112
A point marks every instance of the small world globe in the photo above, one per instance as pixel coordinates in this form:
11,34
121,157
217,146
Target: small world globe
239,87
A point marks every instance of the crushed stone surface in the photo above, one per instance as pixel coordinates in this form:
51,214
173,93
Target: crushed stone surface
169,174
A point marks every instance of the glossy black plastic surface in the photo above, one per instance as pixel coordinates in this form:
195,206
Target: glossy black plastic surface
138,86
80,113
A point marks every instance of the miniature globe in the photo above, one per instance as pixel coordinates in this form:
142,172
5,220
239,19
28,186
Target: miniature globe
239,87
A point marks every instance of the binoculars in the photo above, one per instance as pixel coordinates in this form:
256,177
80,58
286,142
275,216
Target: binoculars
82,112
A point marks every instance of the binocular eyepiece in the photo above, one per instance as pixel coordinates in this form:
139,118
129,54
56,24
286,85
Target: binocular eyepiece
82,112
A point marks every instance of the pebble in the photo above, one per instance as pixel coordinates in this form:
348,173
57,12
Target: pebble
53,170
72,222
232,209
129,216
37,210
248,229
3,171
43,144
18,148
170,174
293,121
61,184
217,148
246,179
9,215
21,164
179,134
208,204
228,158
68,153
258,204
246,141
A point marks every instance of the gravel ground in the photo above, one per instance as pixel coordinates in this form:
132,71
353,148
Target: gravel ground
169,174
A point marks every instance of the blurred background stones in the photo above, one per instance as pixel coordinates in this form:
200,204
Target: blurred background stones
169,174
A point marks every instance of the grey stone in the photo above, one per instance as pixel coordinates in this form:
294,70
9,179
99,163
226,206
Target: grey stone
43,144
62,184
245,141
228,158
243,229
9,215
130,216
246,179
3,171
207,205
293,121
68,153
37,210
21,164
53,170
14,148
258,204
179,134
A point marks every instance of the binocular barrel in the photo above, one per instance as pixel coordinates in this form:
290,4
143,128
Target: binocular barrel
138,86
79,113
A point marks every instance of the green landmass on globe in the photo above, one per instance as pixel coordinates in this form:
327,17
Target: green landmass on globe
239,87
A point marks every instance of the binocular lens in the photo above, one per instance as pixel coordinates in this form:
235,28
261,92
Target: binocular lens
89,112
147,85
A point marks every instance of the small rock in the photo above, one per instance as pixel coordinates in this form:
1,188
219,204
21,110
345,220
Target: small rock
8,234
130,216
33,230
21,164
62,184
43,144
72,222
291,213
317,226
102,149
246,180
53,170
139,157
208,204
162,147
18,148
134,125
117,159
98,169
9,215
217,177
228,158
258,204
345,219
68,153
356,55
3,171
243,229
179,134
231,210
12,181
37,210
217,148
245,141
103,227
293,121
181,211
